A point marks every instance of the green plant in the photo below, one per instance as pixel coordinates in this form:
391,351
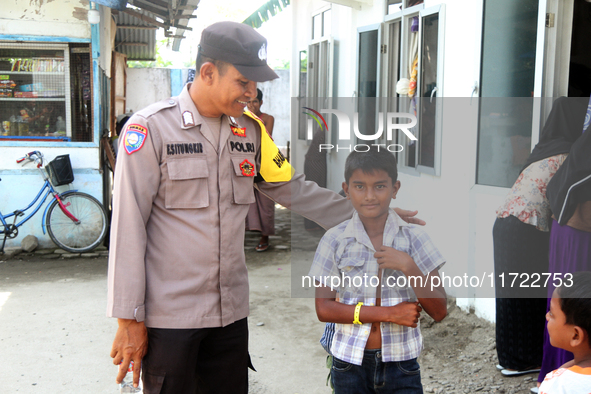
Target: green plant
159,62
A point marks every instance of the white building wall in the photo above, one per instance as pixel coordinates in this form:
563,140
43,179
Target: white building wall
459,213
108,30
146,86
20,184
276,102
46,18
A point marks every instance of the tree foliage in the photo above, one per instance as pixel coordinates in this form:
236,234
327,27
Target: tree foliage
159,62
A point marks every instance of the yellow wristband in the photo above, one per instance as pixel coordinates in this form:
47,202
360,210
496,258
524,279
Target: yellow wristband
356,315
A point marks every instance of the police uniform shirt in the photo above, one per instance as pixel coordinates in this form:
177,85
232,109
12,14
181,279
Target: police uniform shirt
214,125
177,233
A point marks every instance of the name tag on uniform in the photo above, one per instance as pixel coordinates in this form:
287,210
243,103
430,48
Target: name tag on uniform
184,148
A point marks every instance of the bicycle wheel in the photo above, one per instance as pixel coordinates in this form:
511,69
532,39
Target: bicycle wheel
79,237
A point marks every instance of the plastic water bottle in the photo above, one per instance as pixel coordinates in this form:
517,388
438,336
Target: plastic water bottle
126,385
60,124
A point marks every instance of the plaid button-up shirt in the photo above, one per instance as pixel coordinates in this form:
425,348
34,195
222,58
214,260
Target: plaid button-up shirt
346,255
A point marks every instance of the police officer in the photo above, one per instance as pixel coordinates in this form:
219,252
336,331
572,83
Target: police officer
183,185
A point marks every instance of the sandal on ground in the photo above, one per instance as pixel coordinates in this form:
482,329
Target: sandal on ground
262,247
513,372
500,367
535,390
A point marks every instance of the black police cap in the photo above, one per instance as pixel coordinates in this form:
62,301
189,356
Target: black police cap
239,45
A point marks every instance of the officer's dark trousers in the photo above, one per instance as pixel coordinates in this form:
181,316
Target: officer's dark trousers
197,361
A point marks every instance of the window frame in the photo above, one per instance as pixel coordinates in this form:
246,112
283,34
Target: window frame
364,29
405,8
12,39
403,17
320,72
379,28
320,77
440,10
65,48
323,34
543,80
302,93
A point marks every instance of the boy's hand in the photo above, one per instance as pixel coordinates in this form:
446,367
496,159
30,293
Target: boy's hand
393,259
406,313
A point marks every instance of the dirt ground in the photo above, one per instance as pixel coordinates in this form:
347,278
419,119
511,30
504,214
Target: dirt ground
55,338
459,354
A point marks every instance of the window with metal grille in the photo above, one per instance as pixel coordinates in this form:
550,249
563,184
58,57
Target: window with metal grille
45,92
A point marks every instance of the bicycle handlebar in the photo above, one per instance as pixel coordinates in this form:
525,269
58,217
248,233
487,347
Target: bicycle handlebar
35,156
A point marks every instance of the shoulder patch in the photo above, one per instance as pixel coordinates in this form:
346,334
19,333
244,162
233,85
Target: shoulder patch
135,136
188,119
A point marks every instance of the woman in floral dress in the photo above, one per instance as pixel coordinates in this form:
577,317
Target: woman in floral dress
521,238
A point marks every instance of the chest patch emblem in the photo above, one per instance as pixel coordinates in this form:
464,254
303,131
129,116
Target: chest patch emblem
247,168
135,136
188,119
240,132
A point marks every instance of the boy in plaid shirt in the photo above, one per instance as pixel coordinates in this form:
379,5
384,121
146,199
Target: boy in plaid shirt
372,276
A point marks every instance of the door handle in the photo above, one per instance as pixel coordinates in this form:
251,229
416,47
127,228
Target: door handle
432,93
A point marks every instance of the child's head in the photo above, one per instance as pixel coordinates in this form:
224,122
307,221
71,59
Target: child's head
121,120
371,181
569,318
254,105
375,159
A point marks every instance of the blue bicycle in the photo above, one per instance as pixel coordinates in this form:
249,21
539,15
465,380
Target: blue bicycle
75,221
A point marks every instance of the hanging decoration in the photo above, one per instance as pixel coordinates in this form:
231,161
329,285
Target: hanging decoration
408,86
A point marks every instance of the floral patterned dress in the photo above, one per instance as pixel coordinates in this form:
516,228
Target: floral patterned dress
527,199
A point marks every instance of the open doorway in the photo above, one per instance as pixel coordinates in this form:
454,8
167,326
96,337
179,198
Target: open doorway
579,80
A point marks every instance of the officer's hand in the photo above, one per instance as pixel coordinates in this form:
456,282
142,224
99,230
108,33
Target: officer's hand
408,216
130,344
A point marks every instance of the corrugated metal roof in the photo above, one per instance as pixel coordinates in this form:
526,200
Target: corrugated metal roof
191,6
135,37
137,25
